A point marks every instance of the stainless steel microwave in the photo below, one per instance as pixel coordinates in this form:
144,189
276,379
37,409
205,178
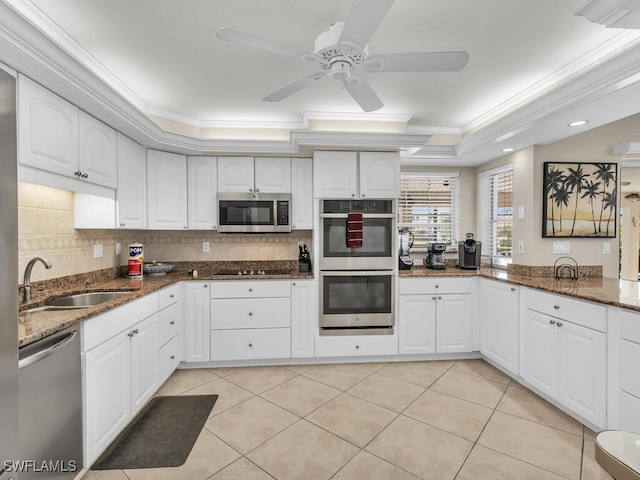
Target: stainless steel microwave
254,212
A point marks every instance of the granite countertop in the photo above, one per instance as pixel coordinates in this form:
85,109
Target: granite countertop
608,291
33,326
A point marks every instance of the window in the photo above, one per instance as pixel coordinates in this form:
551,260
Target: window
428,208
495,189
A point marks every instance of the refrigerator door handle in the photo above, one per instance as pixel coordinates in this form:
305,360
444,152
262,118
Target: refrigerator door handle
45,352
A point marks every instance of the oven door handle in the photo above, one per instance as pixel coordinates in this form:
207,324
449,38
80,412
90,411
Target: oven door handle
364,215
355,273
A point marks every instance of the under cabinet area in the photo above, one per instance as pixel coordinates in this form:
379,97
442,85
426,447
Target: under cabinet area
500,310
564,352
435,315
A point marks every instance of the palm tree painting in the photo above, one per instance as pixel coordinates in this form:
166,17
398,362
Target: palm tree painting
584,195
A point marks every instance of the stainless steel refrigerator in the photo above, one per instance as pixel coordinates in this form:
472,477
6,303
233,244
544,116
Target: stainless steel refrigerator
8,276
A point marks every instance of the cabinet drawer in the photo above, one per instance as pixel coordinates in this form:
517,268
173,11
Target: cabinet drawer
250,344
169,296
580,312
251,289
418,286
629,416
250,313
170,322
629,359
630,326
356,346
170,356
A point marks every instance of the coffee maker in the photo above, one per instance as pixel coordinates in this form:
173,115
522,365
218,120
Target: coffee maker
405,242
469,253
435,256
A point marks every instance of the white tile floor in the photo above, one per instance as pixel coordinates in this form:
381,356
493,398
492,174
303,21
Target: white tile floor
441,420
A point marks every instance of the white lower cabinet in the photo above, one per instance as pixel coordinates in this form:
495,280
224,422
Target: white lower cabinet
304,317
563,359
197,322
356,345
434,319
500,311
121,370
171,321
250,319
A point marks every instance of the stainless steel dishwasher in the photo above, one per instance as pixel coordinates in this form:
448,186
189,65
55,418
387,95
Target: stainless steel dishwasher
50,412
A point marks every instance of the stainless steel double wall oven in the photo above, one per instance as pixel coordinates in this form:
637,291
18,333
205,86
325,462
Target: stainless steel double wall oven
357,285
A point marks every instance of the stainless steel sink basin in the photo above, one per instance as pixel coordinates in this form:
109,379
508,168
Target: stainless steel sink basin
51,308
85,299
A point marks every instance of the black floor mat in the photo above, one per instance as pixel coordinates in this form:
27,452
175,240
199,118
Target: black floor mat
161,435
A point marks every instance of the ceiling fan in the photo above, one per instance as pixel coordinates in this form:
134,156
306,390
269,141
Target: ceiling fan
341,52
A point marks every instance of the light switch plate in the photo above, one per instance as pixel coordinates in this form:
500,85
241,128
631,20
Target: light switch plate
561,247
521,212
520,246
606,248
205,247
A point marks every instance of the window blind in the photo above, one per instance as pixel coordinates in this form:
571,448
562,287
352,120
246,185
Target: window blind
496,212
428,208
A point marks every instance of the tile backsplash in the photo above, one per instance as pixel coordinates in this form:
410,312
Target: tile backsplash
46,228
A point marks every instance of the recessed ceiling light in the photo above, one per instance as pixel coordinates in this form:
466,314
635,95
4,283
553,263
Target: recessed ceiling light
578,123
508,149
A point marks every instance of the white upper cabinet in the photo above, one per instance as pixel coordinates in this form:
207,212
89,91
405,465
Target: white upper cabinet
131,194
202,187
98,152
54,136
248,175
48,129
353,175
379,174
302,193
167,190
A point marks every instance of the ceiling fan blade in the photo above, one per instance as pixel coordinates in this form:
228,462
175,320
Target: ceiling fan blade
363,94
234,36
363,20
417,62
294,87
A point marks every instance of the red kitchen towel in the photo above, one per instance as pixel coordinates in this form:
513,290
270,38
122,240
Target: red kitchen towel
354,230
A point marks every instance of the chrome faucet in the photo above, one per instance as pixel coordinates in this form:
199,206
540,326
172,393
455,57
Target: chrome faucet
27,275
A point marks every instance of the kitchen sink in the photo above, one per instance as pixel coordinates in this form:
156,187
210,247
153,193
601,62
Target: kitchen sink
85,299
51,308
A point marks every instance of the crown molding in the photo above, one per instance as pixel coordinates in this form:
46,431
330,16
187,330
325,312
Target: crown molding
612,13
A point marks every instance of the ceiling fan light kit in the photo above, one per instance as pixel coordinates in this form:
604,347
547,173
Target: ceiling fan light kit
342,50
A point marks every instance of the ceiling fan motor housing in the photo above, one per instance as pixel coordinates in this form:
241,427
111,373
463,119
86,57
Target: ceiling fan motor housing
339,58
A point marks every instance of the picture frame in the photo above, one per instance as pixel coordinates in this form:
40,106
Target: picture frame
579,200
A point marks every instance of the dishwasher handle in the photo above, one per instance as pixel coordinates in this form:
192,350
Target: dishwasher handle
48,351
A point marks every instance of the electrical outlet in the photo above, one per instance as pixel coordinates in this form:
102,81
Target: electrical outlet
520,246
97,250
205,247
118,248
521,212
418,261
560,247
606,248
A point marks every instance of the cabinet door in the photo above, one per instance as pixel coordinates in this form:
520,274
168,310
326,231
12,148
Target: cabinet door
273,175
302,193
379,175
335,174
107,396
202,187
540,352
131,195
500,325
197,325
417,324
98,152
48,127
582,381
454,323
167,190
304,320
145,361
235,174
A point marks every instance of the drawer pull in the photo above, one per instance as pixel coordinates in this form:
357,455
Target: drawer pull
251,289
251,345
559,324
251,314
556,307
513,289
439,297
433,298
357,347
172,322
552,322
437,286
205,285
172,357
171,296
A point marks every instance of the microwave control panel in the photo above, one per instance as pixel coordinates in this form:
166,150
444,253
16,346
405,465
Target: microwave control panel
283,212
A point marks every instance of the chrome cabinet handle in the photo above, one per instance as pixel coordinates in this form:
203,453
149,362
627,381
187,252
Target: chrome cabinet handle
559,324
205,285
251,289
552,322
353,194
172,322
513,289
171,296
172,357
185,226
556,307
439,297
251,345
251,314
362,195
437,286
251,189
85,175
357,347
257,190
433,298
122,224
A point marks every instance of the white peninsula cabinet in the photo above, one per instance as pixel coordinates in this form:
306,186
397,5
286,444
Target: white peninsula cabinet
166,191
623,398
356,175
202,188
500,307
249,174
56,137
435,315
120,363
564,352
